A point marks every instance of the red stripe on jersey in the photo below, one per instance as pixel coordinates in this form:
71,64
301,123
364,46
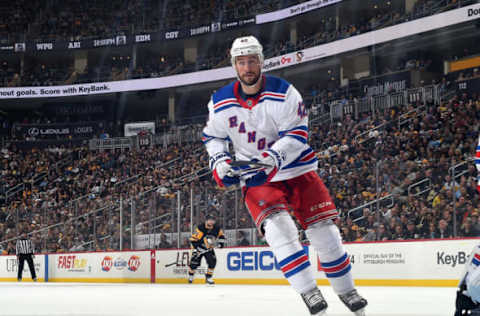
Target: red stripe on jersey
277,95
337,268
299,133
295,263
224,102
308,157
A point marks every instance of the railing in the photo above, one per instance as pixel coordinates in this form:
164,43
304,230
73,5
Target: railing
420,187
178,136
463,166
410,115
365,136
356,213
111,143
14,191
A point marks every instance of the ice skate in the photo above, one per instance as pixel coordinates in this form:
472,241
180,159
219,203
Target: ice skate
316,304
209,280
354,302
190,278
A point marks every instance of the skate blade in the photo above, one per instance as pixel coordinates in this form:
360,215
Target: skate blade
360,312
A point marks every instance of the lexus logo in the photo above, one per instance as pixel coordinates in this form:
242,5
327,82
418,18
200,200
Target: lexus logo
33,131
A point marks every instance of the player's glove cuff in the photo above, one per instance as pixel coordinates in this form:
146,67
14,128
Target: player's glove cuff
265,175
217,158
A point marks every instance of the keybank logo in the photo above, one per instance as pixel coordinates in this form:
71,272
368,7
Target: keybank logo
473,12
452,259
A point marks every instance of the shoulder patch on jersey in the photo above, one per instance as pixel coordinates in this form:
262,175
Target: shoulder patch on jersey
223,94
224,98
276,85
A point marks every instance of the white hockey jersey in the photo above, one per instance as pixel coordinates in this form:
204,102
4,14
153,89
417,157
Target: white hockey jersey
276,119
471,275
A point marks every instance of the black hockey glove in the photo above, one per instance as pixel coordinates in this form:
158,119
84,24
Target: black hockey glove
464,304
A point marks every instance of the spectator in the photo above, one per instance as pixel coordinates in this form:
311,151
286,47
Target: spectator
242,239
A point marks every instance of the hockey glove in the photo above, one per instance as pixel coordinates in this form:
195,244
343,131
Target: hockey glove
223,173
463,303
264,175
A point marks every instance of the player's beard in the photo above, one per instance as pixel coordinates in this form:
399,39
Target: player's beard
250,81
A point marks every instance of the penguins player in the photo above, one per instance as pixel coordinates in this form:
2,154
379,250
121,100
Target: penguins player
203,241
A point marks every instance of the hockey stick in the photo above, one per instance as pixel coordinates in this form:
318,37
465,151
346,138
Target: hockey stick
249,164
246,167
170,264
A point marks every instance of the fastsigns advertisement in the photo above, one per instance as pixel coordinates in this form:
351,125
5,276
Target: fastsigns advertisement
101,267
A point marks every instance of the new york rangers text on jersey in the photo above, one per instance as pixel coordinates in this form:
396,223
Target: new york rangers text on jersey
276,119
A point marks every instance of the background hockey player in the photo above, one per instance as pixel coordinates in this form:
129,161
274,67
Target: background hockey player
468,294
265,119
203,241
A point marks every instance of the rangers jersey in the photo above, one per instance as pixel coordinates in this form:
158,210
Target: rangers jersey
276,119
477,164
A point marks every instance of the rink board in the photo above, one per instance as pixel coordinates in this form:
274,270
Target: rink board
415,263
100,267
9,269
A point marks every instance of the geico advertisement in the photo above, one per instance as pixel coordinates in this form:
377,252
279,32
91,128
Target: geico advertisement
9,267
255,262
443,260
101,265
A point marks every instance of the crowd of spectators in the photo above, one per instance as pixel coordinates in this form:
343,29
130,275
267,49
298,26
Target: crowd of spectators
80,198
74,198
107,18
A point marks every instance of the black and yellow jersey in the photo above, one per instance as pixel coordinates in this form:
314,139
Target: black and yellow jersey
205,237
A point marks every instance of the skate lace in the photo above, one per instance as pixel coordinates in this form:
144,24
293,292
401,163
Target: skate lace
351,297
313,297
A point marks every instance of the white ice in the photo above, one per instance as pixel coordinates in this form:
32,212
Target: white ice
76,299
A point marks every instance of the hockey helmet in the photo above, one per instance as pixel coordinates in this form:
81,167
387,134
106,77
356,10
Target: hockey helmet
247,45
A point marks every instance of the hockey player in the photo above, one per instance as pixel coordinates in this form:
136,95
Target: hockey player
265,119
477,164
468,293
203,243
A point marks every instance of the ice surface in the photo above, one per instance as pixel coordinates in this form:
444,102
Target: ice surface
54,299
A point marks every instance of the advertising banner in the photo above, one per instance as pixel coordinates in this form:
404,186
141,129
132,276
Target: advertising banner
234,265
9,268
294,10
420,263
469,13
132,129
87,129
381,85
100,267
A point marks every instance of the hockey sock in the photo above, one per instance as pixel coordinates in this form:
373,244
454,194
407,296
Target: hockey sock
282,236
334,260
209,273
